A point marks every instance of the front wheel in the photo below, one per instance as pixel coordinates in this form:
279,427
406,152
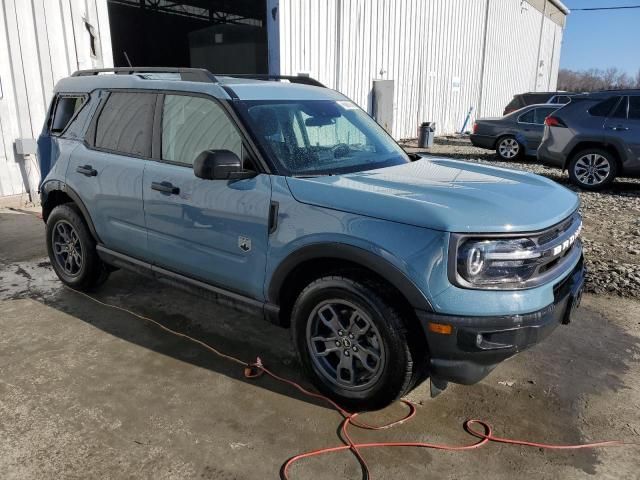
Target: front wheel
592,169
508,148
353,343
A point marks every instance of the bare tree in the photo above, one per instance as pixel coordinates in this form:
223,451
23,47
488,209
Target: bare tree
596,79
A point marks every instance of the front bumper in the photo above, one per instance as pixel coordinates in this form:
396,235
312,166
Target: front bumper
476,345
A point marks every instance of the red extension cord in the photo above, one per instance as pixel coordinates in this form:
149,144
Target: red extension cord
256,369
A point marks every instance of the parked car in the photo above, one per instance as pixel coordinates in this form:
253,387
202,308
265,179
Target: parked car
596,138
289,201
513,135
522,100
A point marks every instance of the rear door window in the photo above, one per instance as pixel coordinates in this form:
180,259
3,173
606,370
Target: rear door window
603,108
67,106
125,124
621,110
634,108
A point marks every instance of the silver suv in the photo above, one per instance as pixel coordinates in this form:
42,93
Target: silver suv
596,137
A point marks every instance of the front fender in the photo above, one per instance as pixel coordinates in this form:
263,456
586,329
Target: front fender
372,259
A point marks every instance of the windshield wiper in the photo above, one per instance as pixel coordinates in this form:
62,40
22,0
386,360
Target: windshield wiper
313,175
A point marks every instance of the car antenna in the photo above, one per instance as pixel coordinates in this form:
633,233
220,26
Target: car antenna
127,57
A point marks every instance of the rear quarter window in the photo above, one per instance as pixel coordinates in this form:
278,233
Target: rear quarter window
528,117
66,108
514,104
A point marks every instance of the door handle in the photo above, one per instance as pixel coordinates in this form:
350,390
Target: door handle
87,170
619,128
165,187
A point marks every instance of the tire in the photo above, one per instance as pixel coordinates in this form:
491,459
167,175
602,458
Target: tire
593,169
72,250
328,338
508,148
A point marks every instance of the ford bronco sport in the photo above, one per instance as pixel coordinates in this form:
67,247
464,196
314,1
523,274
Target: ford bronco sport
288,200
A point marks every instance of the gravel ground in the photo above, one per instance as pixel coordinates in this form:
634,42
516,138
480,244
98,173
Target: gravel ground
611,233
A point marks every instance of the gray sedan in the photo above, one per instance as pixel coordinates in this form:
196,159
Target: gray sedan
518,133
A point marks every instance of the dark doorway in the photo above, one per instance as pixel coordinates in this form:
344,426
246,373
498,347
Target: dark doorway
224,36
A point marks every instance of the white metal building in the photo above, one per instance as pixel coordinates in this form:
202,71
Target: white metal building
444,57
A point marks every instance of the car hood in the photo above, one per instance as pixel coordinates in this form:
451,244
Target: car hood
445,195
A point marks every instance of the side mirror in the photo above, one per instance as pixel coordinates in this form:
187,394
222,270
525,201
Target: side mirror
220,165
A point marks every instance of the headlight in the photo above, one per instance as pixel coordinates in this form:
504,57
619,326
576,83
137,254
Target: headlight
497,263
514,262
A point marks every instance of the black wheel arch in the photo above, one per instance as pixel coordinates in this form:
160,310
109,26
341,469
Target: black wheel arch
54,193
316,259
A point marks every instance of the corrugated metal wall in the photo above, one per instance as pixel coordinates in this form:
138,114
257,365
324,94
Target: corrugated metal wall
432,49
41,41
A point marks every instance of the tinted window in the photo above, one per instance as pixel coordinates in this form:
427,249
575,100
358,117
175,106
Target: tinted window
528,117
191,125
531,98
514,104
542,113
634,108
603,108
562,99
126,123
66,108
621,109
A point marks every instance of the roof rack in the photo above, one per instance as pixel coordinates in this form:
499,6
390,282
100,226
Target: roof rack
188,74
197,74
302,79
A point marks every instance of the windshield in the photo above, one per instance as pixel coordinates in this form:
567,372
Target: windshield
320,137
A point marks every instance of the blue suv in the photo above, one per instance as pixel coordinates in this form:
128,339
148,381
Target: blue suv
286,199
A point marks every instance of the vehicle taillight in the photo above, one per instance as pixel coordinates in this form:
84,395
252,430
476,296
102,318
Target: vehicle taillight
475,127
552,121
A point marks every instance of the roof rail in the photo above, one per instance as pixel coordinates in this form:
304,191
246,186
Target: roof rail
304,80
188,74
197,74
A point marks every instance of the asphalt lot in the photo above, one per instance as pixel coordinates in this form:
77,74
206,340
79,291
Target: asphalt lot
90,392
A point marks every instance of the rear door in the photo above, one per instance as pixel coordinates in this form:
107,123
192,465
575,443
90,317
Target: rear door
622,129
212,230
106,171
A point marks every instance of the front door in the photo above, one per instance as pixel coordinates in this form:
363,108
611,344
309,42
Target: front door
212,230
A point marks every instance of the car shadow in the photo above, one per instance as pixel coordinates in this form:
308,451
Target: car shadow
233,333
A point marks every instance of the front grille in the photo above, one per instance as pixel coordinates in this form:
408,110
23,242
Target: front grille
555,231
555,245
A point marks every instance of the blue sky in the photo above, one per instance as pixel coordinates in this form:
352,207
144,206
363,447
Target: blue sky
602,39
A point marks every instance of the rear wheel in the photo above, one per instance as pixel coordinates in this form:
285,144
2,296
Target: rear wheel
72,249
353,343
508,148
593,169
